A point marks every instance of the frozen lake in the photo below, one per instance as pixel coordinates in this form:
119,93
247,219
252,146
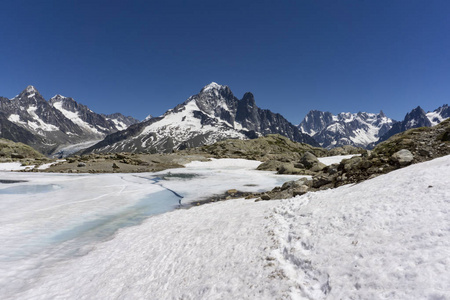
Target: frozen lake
46,219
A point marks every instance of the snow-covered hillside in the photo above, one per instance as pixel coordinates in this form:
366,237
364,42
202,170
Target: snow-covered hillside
385,238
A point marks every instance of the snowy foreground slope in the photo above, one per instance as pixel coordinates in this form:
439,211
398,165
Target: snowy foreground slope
385,238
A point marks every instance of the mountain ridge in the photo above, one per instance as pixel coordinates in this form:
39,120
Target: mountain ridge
365,129
47,125
211,115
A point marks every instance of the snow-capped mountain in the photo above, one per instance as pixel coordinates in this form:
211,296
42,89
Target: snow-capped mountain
360,129
122,122
212,115
47,125
418,118
439,114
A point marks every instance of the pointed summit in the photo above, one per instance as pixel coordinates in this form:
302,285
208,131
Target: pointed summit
29,92
30,89
212,86
215,87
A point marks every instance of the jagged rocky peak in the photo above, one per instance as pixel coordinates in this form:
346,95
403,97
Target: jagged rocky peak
416,118
249,99
213,86
29,92
57,97
216,90
31,89
215,99
61,102
358,129
315,121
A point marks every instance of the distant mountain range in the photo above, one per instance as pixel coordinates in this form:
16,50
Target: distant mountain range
212,115
48,125
62,126
360,129
365,129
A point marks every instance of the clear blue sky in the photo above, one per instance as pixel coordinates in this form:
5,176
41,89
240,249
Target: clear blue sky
144,57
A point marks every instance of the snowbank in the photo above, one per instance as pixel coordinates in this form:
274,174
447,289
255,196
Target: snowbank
329,160
14,166
385,238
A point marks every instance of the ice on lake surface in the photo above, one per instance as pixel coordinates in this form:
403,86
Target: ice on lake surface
29,189
50,218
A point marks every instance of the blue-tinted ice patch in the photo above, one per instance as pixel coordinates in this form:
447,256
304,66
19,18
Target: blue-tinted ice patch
29,189
105,226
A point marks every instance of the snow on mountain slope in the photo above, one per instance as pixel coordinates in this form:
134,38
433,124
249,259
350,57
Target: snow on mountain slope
61,121
439,114
122,122
212,115
186,126
385,238
74,117
360,129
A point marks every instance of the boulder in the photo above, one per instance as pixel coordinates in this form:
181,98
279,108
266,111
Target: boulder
318,167
403,157
17,155
351,163
300,190
320,181
270,165
309,160
288,168
265,197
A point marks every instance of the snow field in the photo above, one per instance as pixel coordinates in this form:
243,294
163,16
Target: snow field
14,166
218,175
385,238
329,160
49,220
210,252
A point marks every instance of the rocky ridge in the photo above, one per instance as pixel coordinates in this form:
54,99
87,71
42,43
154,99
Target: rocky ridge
359,130
46,125
212,115
417,118
365,130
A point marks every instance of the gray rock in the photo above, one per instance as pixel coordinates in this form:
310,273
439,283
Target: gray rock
81,164
309,160
300,190
321,181
17,155
403,157
265,197
318,167
352,163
